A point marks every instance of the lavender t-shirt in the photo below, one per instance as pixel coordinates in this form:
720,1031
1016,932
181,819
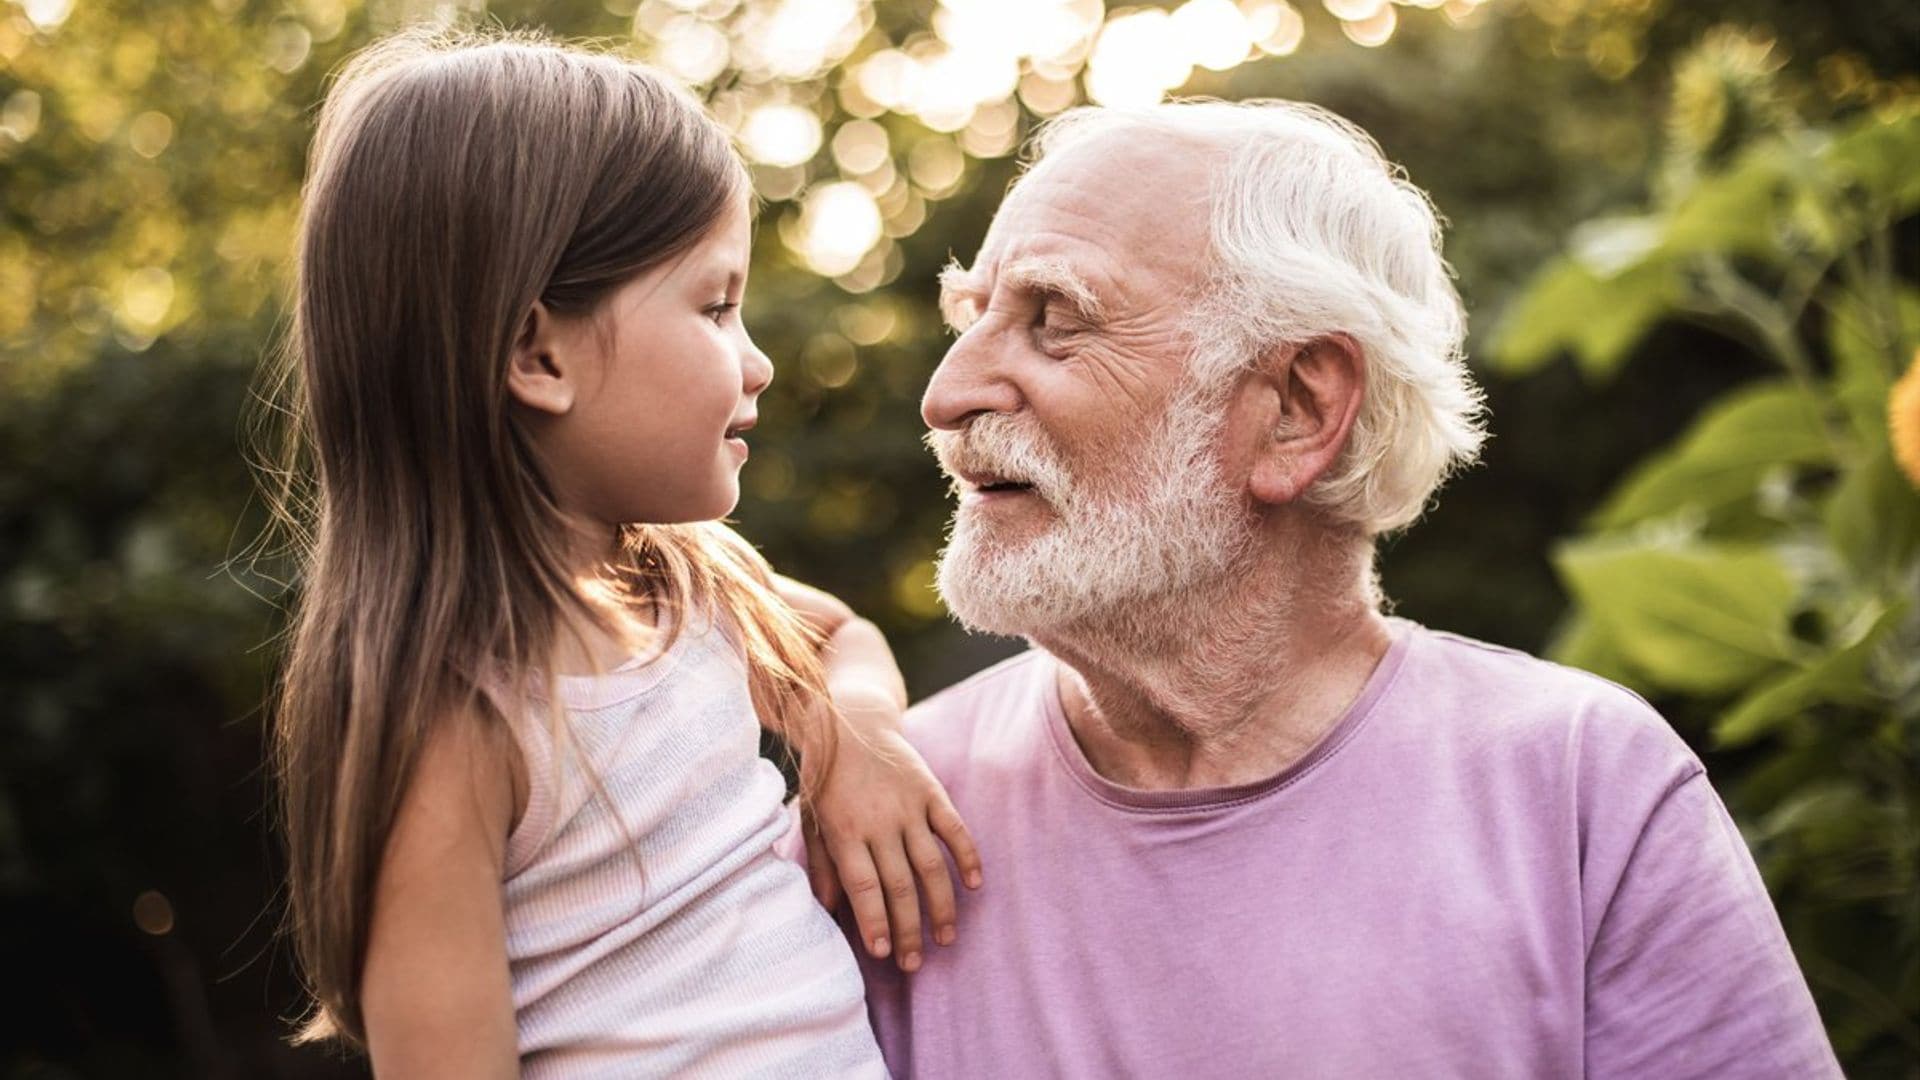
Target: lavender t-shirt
1492,866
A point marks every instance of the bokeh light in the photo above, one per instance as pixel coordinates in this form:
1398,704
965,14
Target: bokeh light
692,48
150,134
781,135
889,78
1374,30
1277,26
1353,10
830,361
20,116
153,913
1213,33
839,223
977,71
289,43
861,146
1131,65
936,165
47,15
868,323
145,297
1045,96
798,39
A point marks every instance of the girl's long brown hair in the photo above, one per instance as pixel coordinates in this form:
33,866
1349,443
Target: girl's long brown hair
455,179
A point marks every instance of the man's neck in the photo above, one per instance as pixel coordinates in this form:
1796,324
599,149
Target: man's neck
1228,684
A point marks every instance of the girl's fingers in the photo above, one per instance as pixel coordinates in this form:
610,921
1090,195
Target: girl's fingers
903,901
862,883
924,853
953,832
821,873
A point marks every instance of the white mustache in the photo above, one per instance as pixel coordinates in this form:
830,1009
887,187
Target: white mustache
999,445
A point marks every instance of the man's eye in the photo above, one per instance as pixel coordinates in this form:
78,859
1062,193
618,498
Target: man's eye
1054,317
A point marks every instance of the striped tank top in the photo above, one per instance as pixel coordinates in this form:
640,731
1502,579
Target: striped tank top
704,956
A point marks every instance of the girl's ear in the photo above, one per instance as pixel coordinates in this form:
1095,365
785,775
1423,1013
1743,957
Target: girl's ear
1314,391
537,374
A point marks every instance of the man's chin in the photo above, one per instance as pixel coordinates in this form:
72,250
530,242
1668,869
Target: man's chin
1003,590
978,617
972,581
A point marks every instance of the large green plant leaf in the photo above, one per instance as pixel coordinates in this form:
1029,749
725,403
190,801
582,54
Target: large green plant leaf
1869,343
1736,212
1725,455
1840,677
1873,518
1580,642
1881,155
1572,307
1696,617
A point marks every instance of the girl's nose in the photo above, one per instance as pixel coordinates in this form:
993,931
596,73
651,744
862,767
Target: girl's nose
756,371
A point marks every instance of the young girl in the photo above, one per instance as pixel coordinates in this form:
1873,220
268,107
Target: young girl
517,741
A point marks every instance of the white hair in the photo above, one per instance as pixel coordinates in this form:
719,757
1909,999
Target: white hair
1316,234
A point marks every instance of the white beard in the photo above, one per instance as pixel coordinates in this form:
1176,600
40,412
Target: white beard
1109,555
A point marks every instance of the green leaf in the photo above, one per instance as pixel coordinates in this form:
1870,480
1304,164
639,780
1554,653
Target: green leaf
1581,643
1879,154
1736,212
1867,352
1840,677
1829,817
1607,247
1571,307
1724,456
1696,617
1873,518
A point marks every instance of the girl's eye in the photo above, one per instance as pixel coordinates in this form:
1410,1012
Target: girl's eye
719,312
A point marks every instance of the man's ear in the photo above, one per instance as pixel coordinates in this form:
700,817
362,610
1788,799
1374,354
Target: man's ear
1313,393
539,370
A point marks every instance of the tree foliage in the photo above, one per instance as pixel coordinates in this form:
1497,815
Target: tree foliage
1765,566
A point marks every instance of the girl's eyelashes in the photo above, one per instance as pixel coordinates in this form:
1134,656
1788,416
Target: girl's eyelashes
719,312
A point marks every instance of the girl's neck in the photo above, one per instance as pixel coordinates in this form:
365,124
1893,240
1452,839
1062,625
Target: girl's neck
627,625
584,647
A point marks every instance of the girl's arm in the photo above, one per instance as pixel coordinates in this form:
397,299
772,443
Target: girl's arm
435,992
881,816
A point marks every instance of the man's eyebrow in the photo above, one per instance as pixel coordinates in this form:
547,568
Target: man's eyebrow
959,295
961,290
1054,276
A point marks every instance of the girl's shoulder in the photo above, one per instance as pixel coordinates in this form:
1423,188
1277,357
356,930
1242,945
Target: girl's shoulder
468,772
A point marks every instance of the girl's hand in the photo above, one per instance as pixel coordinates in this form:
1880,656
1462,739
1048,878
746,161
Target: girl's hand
875,822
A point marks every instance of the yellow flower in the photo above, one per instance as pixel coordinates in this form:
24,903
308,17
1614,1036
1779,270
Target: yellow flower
1903,421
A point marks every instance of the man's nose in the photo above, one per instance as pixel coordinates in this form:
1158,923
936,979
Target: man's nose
971,379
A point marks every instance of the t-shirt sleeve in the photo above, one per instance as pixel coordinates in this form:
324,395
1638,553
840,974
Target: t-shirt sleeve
791,845
1689,973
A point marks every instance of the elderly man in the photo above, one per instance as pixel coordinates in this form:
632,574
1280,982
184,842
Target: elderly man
1236,822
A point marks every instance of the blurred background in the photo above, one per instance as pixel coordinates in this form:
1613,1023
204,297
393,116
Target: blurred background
1686,232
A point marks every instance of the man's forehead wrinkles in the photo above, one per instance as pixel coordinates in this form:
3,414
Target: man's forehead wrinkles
1132,229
